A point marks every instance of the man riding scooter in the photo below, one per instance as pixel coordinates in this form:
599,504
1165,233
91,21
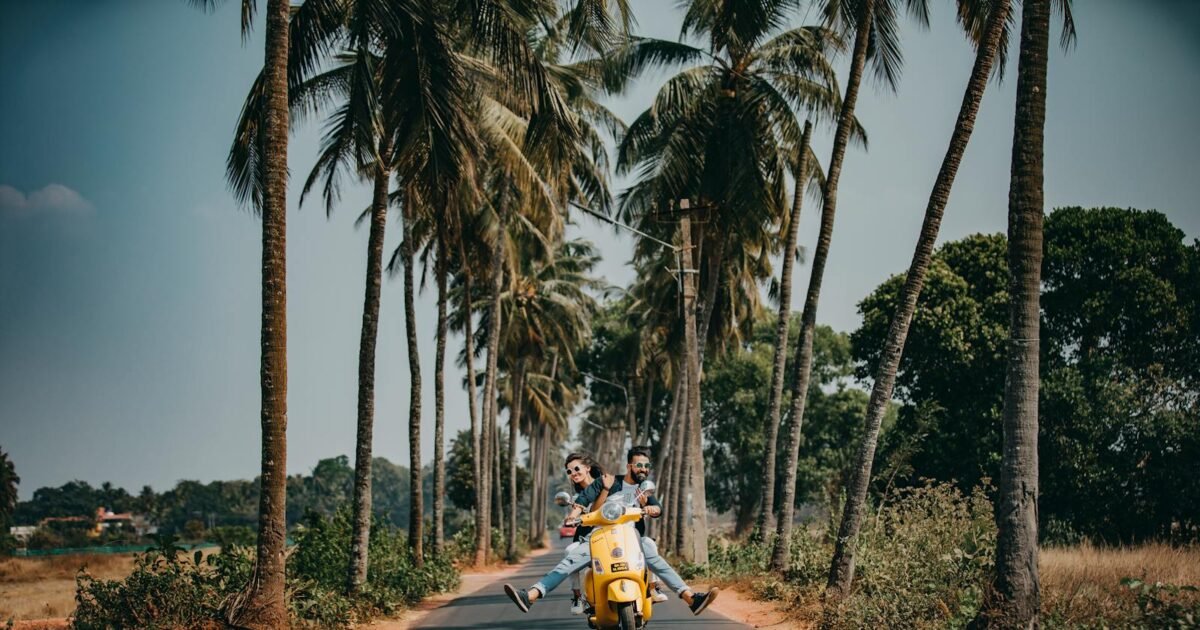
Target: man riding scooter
618,489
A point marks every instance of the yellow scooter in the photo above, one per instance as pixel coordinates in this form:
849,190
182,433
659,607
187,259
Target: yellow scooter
615,584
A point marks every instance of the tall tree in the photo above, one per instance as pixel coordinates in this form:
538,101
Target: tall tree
721,133
262,603
1016,599
439,388
783,316
874,23
416,518
994,37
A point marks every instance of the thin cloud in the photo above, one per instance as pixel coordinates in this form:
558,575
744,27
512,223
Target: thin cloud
53,199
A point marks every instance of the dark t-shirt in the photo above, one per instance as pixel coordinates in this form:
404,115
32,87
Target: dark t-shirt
592,492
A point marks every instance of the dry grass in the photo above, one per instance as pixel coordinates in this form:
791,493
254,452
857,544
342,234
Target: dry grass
1084,583
38,588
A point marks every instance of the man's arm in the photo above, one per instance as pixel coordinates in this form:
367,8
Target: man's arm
592,492
653,507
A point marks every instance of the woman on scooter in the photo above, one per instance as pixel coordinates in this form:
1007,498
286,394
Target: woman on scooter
638,468
582,470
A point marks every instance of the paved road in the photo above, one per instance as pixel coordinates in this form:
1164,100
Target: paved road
491,608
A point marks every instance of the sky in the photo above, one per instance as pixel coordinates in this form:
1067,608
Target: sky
129,276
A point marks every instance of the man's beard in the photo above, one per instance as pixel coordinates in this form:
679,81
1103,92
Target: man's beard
640,476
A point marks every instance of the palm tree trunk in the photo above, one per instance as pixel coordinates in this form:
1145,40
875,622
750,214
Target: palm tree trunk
491,453
416,512
697,525
885,373
828,210
497,489
666,462
537,476
631,411
263,604
514,422
366,384
781,335
1015,602
644,433
477,446
439,388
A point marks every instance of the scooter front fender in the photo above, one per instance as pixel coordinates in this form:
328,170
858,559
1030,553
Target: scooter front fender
624,590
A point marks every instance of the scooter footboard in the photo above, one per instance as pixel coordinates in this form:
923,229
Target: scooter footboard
624,590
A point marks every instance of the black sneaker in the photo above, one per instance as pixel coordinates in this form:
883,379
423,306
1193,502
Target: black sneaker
701,601
520,597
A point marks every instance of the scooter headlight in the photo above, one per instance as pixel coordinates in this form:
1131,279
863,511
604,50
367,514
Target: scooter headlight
612,511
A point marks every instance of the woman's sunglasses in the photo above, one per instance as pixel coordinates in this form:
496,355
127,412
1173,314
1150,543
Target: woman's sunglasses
575,469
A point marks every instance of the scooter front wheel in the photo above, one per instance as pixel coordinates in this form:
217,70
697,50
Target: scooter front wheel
627,616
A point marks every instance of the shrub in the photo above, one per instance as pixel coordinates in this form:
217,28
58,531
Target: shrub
167,589
1165,605
233,536
317,569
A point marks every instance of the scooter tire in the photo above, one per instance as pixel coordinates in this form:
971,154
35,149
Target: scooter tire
627,616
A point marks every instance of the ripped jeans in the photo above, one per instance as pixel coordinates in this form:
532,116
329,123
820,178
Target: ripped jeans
579,555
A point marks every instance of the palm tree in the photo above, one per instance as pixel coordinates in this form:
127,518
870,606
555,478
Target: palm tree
791,228
986,24
721,131
439,375
874,26
547,314
370,133
262,603
1015,601
416,513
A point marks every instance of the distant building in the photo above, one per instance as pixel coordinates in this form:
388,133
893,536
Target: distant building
22,532
103,521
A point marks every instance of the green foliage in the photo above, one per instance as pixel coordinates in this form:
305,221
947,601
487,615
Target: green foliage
167,589
734,409
8,500
318,569
1165,605
1120,403
170,589
74,498
460,479
232,536
924,560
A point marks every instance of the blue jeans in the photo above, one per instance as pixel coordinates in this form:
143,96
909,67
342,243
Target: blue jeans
659,566
579,555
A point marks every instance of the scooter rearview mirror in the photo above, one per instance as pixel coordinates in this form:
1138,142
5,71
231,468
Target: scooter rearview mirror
563,499
647,487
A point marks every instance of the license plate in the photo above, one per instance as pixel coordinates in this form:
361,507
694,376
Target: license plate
619,566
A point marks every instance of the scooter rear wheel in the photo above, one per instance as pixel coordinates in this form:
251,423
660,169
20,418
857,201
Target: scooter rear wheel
627,616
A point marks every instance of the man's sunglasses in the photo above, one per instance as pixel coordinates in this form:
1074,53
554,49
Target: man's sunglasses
642,465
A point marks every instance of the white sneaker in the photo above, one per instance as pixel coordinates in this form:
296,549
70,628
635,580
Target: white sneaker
658,596
576,606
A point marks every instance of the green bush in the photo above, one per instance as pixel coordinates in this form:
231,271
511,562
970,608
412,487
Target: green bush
233,536
1165,605
317,570
167,589
923,561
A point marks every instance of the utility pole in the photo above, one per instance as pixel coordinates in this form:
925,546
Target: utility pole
697,519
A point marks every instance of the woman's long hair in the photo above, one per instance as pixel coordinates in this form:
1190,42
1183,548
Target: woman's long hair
594,468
